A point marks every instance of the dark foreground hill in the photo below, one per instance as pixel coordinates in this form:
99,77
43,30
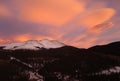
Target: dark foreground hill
66,63
110,49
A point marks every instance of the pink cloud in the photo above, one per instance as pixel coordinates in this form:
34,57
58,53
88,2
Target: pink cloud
101,27
53,12
4,11
97,16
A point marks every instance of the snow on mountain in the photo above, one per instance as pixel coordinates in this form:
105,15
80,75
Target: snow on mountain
11,45
51,44
33,45
32,75
109,71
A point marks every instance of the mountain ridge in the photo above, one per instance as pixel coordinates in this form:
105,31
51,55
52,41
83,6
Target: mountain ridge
111,48
66,63
33,45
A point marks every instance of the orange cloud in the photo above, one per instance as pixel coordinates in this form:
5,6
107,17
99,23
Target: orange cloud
21,38
81,41
42,37
25,37
98,16
101,27
4,11
54,12
1,41
91,18
86,43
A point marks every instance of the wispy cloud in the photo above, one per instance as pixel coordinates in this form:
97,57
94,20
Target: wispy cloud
4,12
101,27
49,11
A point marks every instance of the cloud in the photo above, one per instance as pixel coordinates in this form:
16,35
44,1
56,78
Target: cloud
101,27
87,26
80,23
87,42
25,37
94,17
54,12
1,41
90,18
11,27
22,38
4,12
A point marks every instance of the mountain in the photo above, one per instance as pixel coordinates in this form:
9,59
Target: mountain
110,49
58,63
33,45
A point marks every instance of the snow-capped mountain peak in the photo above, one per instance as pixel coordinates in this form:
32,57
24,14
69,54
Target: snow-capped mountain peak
51,44
33,45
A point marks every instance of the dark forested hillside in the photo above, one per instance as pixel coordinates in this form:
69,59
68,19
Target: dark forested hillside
111,49
61,64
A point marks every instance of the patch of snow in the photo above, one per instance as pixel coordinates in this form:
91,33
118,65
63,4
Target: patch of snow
51,44
12,45
35,76
61,76
17,60
58,75
30,45
109,71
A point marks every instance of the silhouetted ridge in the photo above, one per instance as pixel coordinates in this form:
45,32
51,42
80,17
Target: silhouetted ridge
64,63
112,48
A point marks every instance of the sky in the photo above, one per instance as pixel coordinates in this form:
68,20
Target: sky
80,23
